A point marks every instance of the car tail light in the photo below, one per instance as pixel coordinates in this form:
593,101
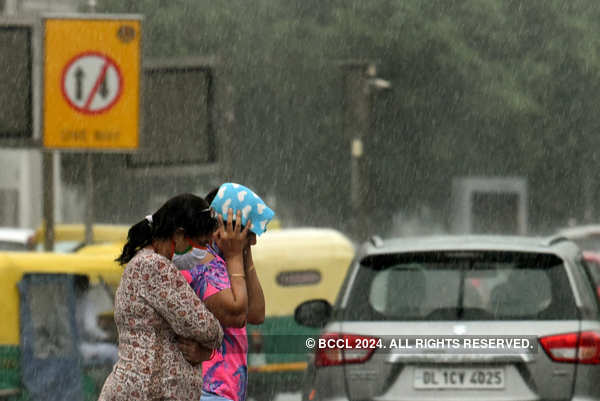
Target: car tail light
573,347
340,349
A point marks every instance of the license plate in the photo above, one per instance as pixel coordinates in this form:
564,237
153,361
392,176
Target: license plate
459,378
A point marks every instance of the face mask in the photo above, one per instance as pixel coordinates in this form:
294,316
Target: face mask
190,259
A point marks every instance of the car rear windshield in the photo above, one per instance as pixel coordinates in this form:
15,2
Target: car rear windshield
461,286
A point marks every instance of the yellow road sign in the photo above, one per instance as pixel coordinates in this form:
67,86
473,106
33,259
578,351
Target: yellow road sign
91,83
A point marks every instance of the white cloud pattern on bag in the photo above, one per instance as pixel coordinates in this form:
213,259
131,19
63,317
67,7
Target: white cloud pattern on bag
235,196
225,208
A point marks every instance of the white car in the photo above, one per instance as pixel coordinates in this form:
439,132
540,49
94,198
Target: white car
437,297
16,239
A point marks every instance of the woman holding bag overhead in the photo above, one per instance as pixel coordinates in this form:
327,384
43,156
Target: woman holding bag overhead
223,275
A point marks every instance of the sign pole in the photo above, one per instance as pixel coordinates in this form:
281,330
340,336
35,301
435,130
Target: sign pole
89,178
89,198
48,191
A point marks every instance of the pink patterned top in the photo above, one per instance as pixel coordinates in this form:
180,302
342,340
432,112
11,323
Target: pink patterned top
226,373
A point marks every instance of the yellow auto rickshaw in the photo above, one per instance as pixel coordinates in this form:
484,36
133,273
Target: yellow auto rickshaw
293,265
50,303
71,237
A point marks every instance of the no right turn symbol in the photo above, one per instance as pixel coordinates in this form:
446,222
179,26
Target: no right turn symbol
91,83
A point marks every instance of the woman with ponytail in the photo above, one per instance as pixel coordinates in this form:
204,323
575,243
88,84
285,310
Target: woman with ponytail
154,307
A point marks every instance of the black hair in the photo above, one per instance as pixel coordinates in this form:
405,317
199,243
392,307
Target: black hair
186,211
211,195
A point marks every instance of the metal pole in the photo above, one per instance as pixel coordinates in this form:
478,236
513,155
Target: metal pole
48,207
89,198
89,176
357,123
357,183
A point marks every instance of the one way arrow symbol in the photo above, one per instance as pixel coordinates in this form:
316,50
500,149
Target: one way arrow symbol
103,90
79,74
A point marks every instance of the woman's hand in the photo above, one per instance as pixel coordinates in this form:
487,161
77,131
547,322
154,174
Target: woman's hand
230,305
193,352
232,240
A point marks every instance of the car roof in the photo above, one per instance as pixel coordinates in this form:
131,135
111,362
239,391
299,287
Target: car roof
76,232
19,235
553,245
580,231
93,265
315,235
322,242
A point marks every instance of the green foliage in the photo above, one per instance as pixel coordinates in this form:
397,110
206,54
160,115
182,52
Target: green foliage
480,87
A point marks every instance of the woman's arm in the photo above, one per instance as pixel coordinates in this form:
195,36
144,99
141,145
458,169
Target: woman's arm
230,305
166,290
244,302
256,297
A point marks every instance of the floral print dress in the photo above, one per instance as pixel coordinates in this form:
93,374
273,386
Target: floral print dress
153,305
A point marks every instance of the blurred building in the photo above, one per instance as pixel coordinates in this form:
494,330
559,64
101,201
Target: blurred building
179,145
21,7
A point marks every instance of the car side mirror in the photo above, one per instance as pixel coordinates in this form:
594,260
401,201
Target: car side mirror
313,313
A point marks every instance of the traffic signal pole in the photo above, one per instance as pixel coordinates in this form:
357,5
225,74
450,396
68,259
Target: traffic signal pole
357,105
360,86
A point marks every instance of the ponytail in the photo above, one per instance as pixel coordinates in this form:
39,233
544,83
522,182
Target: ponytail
138,237
186,211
